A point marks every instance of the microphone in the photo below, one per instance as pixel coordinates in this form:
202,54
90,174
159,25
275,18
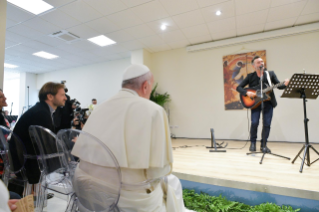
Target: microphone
261,67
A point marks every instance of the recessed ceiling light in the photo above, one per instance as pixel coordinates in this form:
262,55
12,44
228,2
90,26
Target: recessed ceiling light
6,65
45,55
101,40
163,27
35,6
218,12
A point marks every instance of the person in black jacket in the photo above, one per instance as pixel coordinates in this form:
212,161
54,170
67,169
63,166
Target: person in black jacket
253,80
51,96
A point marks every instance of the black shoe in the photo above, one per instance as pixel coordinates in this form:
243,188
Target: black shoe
252,147
267,149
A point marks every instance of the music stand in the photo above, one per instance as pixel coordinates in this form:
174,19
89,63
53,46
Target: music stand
303,86
214,144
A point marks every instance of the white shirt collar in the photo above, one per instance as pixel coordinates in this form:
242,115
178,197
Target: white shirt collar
130,91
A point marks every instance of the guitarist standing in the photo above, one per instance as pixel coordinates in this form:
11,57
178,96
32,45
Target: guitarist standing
253,80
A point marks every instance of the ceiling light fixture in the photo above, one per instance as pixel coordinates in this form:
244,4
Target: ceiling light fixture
35,6
218,12
102,40
163,27
45,55
6,65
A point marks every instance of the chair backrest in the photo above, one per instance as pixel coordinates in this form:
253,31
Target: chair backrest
13,153
93,193
51,154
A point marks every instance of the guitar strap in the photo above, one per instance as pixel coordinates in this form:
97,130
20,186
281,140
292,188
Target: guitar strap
268,78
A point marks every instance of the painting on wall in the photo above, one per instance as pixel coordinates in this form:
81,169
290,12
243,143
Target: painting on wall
236,68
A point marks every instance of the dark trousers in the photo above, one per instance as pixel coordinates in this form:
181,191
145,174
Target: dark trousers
255,116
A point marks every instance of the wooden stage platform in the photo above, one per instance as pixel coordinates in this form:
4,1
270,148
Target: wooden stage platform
235,169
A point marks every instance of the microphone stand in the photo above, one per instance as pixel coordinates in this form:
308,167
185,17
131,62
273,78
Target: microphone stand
261,95
28,98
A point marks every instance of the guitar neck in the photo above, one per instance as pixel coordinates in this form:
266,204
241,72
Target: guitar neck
273,87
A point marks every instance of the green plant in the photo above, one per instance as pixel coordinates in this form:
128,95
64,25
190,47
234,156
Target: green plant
160,99
205,203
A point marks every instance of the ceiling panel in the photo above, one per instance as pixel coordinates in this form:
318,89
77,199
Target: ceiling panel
9,43
140,31
173,36
150,11
81,11
227,9
179,44
25,31
151,40
250,30
205,3
248,6
86,45
10,23
179,6
224,35
189,19
16,14
160,48
51,41
156,25
59,3
60,19
134,3
125,19
41,26
196,31
277,3
310,18
38,46
251,19
125,54
103,25
222,25
69,48
312,6
120,36
83,31
15,37
280,24
133,45
107,7
291,10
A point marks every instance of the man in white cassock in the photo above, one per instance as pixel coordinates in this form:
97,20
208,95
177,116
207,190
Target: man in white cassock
136,130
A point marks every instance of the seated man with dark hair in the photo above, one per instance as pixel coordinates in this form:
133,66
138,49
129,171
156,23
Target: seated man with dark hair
51,96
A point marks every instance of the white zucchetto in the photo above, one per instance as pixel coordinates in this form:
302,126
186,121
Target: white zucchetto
135,70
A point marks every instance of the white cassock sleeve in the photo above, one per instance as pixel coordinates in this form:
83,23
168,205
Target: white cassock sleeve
4,198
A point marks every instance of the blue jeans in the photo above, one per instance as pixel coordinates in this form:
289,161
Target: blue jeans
255,115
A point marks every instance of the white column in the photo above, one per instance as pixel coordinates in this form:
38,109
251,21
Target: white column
141,56
3,18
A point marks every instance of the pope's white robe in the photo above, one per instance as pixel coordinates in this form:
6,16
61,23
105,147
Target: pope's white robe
4,198
136,130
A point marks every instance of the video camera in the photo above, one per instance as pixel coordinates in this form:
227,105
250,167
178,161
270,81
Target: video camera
79,113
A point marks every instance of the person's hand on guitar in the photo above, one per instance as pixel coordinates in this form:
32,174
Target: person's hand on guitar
286,82
251,94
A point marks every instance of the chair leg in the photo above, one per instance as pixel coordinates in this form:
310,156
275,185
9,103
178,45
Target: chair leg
72,204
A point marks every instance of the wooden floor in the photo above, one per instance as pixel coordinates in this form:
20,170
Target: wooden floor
235,165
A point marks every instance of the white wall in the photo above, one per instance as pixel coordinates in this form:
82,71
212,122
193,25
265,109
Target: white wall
100,81
195,83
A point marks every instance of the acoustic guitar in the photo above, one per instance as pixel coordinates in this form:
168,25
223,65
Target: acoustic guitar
254,102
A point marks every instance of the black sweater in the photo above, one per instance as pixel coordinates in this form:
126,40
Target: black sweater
253,81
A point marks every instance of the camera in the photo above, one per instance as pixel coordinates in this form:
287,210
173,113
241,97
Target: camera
79,113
